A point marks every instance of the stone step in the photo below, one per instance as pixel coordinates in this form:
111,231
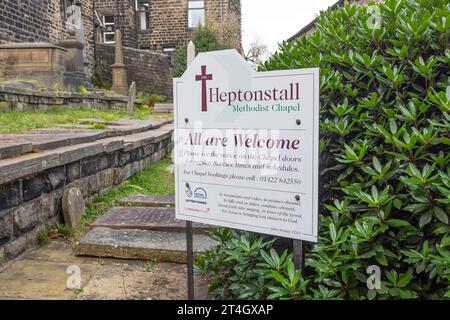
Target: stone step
37,140
10,149
126,127
146,218
140,244
140,200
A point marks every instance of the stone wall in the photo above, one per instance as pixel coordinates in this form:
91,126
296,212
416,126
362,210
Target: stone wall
31,201
150,70
41,21
168,21
124,13
22,99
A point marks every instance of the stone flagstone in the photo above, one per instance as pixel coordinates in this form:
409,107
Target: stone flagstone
38,140
146,218
140,244
140,200
13,149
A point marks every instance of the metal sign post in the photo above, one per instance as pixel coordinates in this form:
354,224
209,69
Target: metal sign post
190,260
189,236
299,254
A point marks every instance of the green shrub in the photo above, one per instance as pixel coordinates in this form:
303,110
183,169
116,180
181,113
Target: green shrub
83,90
384,160
100,81
148,100
245,266
205,39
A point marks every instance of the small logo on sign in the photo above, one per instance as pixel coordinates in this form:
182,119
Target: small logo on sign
200,193
188,191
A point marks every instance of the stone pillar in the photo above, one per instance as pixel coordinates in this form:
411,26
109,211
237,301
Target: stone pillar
74,56
75,74
119,70
190,53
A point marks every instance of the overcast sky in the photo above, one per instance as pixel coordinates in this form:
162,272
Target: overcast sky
275,21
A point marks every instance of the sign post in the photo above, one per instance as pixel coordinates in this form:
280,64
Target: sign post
246,148
189,233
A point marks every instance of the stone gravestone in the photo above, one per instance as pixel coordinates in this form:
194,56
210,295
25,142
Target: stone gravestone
131,98
73,206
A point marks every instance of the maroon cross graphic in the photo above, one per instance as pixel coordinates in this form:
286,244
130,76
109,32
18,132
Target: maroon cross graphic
203,78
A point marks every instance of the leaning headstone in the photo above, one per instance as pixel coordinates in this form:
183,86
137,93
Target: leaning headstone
131,98
73,206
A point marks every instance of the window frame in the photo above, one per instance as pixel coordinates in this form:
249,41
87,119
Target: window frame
105,33
202,8
141,8
169,51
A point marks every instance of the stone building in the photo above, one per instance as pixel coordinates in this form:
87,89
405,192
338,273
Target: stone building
164,25
49,21
310,27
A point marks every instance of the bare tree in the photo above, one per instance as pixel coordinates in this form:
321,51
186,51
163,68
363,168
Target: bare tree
257,52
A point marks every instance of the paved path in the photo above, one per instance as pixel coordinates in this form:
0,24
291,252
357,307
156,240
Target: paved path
41,274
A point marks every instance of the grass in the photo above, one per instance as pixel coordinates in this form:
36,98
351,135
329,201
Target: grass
17,121
155,179
58,230
149,267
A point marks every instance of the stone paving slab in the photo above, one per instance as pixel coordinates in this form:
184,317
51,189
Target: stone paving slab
125,126
145,218
32,279
47,140
140,244
13,149
119,122
41,274
140,200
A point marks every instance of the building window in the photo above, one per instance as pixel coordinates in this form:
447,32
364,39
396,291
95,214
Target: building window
196,13
109,29
144,15
170,52
71,13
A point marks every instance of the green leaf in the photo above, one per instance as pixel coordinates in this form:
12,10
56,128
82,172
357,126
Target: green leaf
441,214
397,203
397,223
381,260
425,219
377,164
371,294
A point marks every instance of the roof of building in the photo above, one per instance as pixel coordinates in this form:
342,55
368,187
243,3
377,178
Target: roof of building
310,25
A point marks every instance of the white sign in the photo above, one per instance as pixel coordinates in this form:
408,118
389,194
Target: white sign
246,146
